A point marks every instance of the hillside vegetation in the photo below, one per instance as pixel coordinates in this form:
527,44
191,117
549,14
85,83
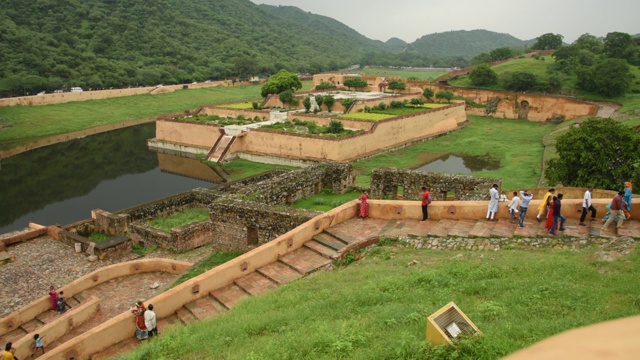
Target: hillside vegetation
48,45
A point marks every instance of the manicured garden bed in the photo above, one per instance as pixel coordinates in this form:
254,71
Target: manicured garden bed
222,121
182,218
335,129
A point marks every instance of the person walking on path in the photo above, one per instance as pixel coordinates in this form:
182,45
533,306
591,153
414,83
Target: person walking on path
492,209
628,188
53,298
616,211
364,206
513,207
542,209
37,344
587,206
150,321
526,198
557,215
426,200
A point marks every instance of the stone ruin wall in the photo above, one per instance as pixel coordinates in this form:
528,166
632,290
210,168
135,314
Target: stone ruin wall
386,182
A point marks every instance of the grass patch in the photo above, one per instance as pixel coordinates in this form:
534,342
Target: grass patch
366,116
221,121
404,74
182,218
240,168
326,200
517,144
98,237
141,250
309,127
376,308
218,258
31,122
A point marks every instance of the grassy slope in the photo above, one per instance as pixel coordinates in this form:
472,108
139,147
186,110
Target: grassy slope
376,308
38,121
629,101
404,74
517,144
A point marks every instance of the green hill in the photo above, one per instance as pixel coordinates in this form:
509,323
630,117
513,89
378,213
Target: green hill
466,44
45,45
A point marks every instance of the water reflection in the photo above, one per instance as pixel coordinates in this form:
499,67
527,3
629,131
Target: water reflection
62,183
461,164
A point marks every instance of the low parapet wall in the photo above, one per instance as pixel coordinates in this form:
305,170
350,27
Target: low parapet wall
122,327
17,318
59,327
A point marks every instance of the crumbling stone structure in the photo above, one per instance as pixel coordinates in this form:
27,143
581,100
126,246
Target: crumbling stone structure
388,183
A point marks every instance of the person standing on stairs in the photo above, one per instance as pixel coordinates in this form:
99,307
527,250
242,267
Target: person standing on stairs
542,209
526,198
493,203
587,206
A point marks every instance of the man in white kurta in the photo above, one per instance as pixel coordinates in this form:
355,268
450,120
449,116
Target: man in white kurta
493,203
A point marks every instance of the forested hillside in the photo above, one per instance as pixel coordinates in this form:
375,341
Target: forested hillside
463,43
57,44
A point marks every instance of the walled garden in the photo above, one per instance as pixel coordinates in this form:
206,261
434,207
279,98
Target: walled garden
221,120
334,129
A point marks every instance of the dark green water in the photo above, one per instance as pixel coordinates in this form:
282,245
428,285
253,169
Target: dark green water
62,183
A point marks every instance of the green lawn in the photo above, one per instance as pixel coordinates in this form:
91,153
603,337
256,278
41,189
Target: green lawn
517,144
366,116
404,74
240,106
217,258
326,200
240,168
30,122
376,308
179,219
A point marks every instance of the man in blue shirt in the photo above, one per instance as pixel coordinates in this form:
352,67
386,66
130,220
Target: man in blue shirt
526,197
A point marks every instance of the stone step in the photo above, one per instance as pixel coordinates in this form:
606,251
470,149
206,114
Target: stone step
530,229
255,283
229,295
629,228
462,228
442,227
185,315
72,302
483,228
344,238
504,228
205,307
279,272
31,325
169,321
321,249
304,260
329,240
574,230
48,316
13,336
122,347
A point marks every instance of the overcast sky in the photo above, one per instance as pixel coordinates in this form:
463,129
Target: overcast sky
411,19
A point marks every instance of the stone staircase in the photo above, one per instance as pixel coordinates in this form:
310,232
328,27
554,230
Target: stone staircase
220,148
39,321
316,254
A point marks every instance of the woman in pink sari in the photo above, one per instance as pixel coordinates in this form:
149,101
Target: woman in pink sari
53,298
364,206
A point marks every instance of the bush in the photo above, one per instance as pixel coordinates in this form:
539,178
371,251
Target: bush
445,95
397,104
335,127
329,100
417,102
347,103
325,86
255,105
307,104
483,75
520,81
287,97
383,106
428,93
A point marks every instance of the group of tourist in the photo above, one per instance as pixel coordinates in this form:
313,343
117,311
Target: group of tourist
146,326
551,208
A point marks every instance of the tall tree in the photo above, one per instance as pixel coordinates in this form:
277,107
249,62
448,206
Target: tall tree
483,75
618,45
502,53
610,78
589,42
281,81
602,152
548,41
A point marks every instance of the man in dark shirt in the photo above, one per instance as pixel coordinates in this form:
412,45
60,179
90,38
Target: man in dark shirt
616,211
557,215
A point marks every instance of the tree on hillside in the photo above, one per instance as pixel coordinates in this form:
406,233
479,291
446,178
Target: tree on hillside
618,45
355,82
548,41
502,53
445,95
610,78
589,42
428,93
601,152
281,81
246,67
481,59
520,81
483,75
